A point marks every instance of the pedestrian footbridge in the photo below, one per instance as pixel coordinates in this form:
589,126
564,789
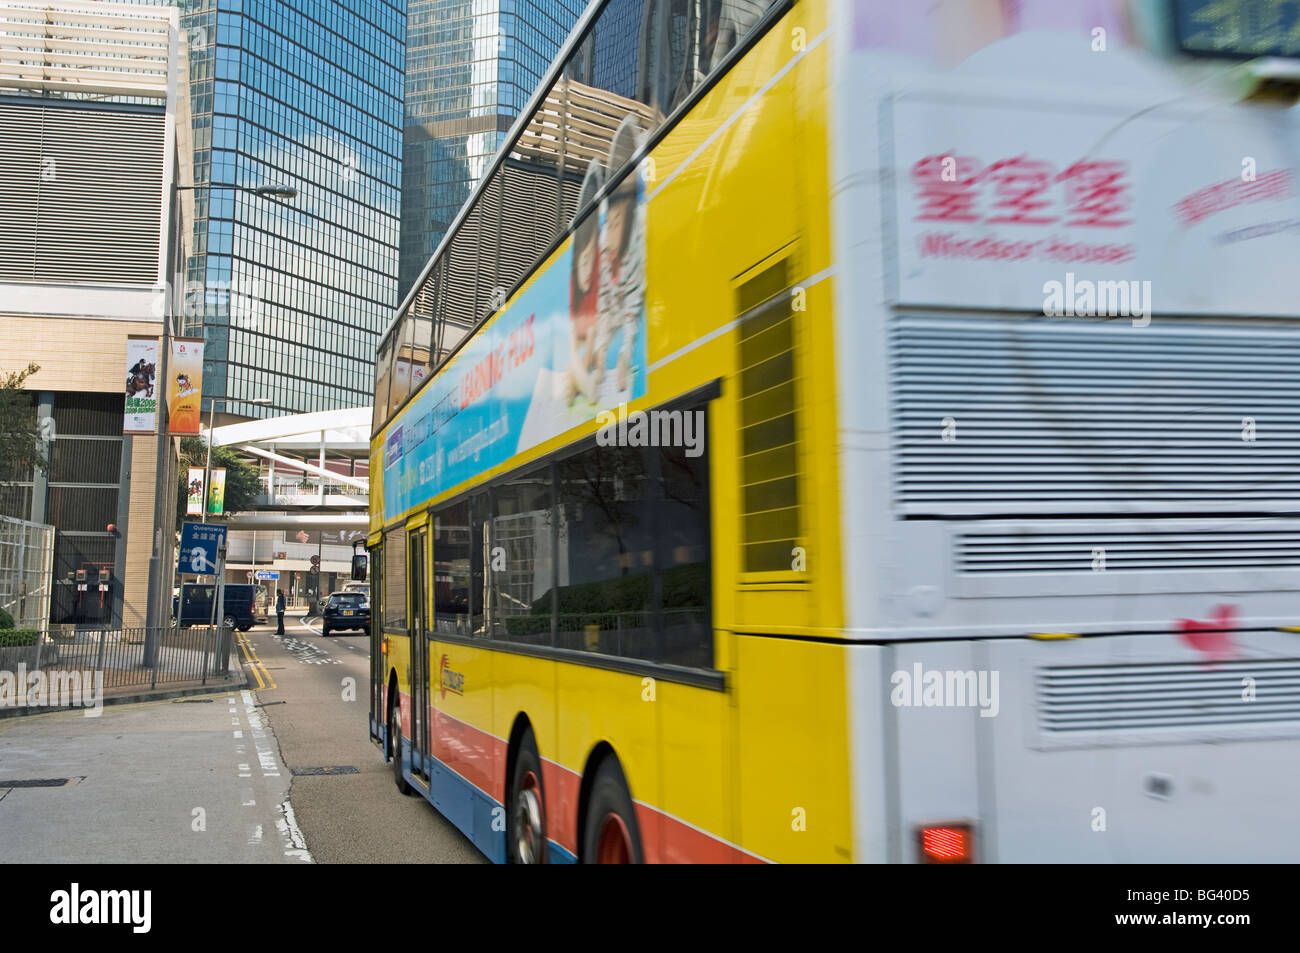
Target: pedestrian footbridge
310,462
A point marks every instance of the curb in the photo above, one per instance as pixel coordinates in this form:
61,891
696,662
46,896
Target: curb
237,683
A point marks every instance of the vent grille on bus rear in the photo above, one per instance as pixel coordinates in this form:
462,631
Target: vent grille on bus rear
1078,417
1255,545
1089,698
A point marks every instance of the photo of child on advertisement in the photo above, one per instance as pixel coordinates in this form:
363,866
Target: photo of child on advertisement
607,287
579,376
622,267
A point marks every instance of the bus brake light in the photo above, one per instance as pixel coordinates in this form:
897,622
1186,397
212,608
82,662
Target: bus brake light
946,843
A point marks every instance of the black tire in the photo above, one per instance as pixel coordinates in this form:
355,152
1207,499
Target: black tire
395,742
526,806
229,622
324,630
611,804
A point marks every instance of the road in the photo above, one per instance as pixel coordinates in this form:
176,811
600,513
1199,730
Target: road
234,777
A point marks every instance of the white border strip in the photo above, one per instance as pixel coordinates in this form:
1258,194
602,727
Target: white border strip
730,120
733,324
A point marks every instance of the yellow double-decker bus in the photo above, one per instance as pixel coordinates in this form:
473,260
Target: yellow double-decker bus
745,487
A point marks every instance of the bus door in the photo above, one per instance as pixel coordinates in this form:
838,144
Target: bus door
417,574
378,660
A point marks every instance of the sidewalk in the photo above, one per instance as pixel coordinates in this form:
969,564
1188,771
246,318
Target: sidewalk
122,694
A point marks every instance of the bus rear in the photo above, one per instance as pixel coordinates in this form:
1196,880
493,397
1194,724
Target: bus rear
1068,426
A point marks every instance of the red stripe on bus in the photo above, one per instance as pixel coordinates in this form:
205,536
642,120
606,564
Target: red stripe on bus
480,758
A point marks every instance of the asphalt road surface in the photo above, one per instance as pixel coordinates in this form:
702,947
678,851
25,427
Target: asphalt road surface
346,818
234,777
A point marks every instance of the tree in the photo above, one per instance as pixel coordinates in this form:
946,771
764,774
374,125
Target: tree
242,481
21,446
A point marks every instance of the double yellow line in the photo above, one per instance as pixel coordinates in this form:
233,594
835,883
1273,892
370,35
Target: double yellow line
255,664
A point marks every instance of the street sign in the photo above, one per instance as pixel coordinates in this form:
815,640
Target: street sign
198,549
268,574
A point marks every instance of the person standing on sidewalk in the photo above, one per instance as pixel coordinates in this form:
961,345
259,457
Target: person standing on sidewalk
279,610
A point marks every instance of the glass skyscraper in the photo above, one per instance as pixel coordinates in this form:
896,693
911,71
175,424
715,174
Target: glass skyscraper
305,94
470,67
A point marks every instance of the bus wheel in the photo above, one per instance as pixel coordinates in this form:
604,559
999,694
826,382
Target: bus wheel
395,741
612,835
526,822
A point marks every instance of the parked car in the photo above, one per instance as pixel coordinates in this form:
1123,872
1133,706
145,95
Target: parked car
194,605
346,610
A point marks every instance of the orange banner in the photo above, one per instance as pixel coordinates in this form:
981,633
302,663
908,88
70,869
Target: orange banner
185,386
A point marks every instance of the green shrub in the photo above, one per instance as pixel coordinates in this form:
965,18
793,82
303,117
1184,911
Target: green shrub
18,637
6,620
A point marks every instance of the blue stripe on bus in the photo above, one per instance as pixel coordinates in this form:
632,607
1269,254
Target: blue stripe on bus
466,807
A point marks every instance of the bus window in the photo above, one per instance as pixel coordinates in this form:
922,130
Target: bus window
605,569
451,569
520,584
682,556
479,543
394,606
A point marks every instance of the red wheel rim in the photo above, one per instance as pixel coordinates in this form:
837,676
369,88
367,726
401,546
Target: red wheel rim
528,820
614,845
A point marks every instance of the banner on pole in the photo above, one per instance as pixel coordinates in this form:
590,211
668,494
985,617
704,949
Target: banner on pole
185,386
217,493
141,386
194,499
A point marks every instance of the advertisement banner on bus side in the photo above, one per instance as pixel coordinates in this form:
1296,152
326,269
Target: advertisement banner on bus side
568,348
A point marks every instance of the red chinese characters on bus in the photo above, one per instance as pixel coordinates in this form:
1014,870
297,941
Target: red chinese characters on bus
1096,194
1021,190
946,188
1270,186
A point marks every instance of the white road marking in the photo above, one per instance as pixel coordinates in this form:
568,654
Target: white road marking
295,843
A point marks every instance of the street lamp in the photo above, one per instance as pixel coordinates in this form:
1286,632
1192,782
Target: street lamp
164,503
207,463
273,191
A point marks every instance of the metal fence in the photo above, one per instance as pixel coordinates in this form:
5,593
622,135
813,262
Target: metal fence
26,571
128,657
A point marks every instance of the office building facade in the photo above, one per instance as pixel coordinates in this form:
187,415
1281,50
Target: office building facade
89,147
470,69
290,294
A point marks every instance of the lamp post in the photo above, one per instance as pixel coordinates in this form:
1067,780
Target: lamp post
164,502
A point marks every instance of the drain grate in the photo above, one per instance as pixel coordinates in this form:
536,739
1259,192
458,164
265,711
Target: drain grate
36,783
327,769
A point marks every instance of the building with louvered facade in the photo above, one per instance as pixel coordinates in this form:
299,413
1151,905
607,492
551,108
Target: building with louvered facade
93,126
